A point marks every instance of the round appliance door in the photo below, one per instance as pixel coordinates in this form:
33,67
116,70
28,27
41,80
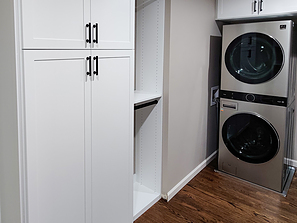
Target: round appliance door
250,138
254,58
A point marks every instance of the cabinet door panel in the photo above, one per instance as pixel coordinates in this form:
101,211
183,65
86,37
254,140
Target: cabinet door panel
112,170
115,20
55,24
274,7
55,85
232,9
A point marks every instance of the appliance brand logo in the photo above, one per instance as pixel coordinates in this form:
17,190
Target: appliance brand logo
283,26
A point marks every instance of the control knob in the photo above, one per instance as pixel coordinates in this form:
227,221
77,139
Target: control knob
250,97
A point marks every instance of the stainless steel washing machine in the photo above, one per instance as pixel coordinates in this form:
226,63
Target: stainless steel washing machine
255,139
258,58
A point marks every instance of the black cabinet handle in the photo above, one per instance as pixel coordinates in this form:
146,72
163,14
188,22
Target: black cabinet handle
89,61
88,39
95,26
96,59
261,6
255,6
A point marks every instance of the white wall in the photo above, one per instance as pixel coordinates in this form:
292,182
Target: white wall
189,25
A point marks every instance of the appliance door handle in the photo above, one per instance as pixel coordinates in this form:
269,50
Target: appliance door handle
250,53
250,40
230,106
89,31
95,26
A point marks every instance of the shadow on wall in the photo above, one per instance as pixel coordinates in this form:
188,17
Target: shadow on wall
214,78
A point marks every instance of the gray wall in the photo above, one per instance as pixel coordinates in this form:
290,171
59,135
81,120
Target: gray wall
189,25
9,175
214,77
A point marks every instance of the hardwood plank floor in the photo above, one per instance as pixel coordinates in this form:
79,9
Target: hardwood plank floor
217,197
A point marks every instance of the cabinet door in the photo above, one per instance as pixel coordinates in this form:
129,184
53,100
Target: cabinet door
274,7
55,24
115,20
55,99
112,164
232,9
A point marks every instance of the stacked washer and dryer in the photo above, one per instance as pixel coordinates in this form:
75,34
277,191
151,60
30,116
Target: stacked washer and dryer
257,103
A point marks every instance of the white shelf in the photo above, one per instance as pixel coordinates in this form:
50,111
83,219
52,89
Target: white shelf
149,45
142,97
143,199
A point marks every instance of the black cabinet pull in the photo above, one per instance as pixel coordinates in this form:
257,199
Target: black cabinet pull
95,26
261,6
88,39
89,61
255,6
96,59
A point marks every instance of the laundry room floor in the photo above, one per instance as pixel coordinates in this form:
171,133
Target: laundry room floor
217,197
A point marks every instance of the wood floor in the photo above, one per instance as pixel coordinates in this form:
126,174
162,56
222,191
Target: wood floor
216,197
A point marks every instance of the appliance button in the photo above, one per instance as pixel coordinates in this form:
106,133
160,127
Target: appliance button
250,97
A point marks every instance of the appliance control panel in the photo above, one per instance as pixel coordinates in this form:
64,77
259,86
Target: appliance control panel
255,98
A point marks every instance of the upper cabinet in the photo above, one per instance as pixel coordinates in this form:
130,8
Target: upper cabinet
249,9
113,24
277,7
78,24
228,9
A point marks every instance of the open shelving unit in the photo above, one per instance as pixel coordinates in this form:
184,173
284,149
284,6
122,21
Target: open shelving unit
148,104
144,97
143,198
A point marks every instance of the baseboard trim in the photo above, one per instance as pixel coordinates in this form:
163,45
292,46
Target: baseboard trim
189,177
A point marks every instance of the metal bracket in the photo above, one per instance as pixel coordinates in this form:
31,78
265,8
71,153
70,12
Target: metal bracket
214,95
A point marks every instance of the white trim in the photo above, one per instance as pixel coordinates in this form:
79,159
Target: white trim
292,162
189,177
148,206
20,111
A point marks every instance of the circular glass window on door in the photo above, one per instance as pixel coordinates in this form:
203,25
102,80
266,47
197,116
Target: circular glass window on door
254,58
250,138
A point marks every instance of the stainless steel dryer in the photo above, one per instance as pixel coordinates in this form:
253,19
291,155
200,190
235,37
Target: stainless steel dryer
255,139
257,58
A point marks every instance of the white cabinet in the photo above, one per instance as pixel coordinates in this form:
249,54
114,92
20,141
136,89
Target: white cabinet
71,107
78,136
115,21
248,9
55,136
276,7
112,138
78,24
231,9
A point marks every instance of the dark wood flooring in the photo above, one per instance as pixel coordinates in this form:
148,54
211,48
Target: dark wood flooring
216,197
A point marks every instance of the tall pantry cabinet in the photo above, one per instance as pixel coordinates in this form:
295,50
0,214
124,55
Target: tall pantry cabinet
66,85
